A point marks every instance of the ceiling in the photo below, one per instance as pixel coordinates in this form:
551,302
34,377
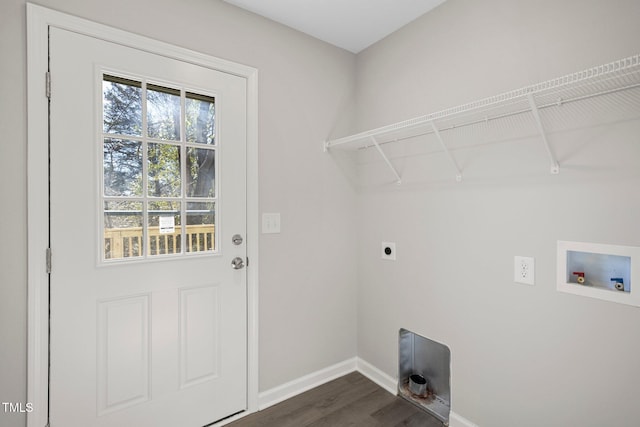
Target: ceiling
350,24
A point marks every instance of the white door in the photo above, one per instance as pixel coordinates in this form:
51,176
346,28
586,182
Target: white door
147,189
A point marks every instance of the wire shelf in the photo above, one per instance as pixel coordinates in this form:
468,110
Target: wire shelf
602,94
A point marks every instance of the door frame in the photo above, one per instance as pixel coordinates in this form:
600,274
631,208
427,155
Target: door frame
39,20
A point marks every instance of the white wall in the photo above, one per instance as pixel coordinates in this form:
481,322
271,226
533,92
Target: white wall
306,91
521,356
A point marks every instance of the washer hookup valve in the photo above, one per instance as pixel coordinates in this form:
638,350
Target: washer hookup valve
618,282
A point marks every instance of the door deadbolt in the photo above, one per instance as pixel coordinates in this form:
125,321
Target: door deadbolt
237,239
237,263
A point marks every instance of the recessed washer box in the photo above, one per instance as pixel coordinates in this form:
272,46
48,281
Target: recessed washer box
429,362
600,271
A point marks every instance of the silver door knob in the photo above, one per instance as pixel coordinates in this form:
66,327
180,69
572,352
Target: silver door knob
237,263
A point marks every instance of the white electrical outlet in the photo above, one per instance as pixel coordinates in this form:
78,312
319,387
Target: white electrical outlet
524,270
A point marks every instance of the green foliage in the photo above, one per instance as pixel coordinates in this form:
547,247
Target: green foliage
122,104
163,168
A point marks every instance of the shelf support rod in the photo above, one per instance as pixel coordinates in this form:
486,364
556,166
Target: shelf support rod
555,168
386,160
436,132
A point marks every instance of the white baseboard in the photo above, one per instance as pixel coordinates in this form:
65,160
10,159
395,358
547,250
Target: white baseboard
456,420
315,379
307,382
377,376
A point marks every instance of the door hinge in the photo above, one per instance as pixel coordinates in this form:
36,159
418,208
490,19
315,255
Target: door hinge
48,84
48,261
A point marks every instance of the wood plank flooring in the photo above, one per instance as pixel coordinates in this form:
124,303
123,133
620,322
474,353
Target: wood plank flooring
352,400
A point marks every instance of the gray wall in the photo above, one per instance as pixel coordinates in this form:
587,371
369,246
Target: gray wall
521,356
306,91
524,356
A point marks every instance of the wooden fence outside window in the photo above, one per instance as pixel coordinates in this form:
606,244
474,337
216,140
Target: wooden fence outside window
127,242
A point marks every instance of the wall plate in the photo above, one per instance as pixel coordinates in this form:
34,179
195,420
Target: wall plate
388,251
270,223
524,270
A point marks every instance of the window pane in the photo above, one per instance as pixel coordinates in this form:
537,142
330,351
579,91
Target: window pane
200,119
163,164
122,167
164,232
201,172
156,203
122,106
200,226
163,113
122,229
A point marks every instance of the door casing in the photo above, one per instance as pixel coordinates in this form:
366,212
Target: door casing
39,19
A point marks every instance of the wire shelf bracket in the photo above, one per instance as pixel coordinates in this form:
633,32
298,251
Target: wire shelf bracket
436,132
386,160
555,167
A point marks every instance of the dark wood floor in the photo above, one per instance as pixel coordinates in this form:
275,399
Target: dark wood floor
352,400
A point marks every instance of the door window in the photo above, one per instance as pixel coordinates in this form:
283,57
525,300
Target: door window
159,169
